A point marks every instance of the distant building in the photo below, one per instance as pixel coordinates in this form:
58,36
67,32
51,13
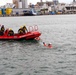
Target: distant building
16,3
24,4
49,3
55,2
20,3
71,9
41,1
73,0
60,8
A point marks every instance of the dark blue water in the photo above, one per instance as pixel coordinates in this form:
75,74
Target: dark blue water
31,57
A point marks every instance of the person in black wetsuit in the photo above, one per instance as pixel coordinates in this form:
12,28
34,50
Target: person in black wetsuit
2,30
22,30
10,32
25,29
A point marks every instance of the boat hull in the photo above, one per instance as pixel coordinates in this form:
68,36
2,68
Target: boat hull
26,36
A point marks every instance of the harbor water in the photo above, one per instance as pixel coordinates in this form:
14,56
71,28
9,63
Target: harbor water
31,57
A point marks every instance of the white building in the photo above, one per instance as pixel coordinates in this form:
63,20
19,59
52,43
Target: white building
71,9
20,3
60,7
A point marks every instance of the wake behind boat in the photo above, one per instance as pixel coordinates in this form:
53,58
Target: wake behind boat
31,34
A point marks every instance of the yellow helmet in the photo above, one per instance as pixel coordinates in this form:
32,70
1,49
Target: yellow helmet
10,29
21,27
25,25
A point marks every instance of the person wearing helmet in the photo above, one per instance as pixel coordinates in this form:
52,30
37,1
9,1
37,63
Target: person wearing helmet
10,32
2,30
1,33
24,29
20,31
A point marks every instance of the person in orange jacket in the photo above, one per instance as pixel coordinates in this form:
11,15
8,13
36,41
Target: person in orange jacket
47,45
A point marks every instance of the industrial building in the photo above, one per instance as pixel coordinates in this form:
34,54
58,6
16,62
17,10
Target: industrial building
20,3
21,7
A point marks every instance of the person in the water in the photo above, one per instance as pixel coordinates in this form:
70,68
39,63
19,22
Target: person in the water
47,45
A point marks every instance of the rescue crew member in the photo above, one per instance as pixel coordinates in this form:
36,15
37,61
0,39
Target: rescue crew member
10,32
2,30
1,33
25,29
20,31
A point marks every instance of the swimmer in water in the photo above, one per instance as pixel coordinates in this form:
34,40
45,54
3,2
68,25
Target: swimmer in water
49,45
44,44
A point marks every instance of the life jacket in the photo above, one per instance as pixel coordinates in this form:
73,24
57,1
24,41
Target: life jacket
24,29
10,32
20,31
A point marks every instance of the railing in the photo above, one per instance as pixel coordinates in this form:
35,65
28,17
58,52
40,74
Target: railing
33,28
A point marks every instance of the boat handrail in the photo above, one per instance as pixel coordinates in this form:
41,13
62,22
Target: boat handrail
33,28
30,28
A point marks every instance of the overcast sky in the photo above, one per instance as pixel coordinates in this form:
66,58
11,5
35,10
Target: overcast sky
2,2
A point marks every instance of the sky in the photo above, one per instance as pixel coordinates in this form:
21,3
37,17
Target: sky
3,2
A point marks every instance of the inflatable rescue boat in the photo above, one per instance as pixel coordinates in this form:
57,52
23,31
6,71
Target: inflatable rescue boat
31,34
